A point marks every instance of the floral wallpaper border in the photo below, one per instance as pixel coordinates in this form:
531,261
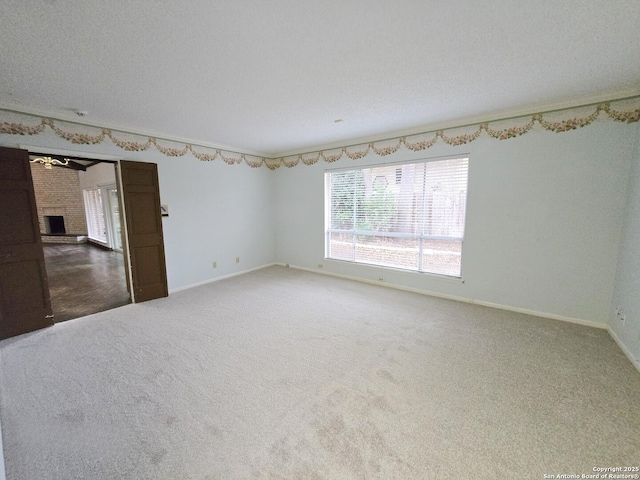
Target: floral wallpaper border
354,152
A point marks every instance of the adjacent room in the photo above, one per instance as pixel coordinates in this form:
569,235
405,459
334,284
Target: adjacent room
388,240
81,232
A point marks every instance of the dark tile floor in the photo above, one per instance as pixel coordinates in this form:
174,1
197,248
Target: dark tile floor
84,279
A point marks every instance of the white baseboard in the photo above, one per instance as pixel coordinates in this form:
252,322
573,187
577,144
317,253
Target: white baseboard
216,279
627,352
579,321
552,316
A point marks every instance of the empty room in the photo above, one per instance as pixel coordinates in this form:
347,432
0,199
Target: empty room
361,240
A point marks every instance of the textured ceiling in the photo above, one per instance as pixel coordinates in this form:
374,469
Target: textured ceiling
272,77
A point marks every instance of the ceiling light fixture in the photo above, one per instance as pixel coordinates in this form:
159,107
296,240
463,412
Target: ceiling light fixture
48,162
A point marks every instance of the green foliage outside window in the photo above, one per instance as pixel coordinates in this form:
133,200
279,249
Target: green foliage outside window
372,212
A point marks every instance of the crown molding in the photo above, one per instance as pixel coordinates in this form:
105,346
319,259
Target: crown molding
70,153
71,117
523,111
473,120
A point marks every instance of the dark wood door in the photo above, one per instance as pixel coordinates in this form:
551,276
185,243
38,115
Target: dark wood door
144,230
25,304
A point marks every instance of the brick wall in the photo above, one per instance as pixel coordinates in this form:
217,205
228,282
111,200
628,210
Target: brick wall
58,193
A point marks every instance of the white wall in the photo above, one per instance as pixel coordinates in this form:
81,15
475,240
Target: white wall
217,211
627,285
544,220
97,175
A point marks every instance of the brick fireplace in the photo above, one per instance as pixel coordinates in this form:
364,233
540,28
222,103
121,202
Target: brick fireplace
60,204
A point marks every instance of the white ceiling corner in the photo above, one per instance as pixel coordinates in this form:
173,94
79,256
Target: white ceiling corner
272,77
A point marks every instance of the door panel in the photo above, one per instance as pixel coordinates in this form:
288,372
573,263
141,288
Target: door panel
142,222
25,304
143,176
149,264
144,230
15,203
26,279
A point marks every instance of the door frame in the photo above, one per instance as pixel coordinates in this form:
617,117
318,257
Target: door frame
143,237
119,184
124,232
115,160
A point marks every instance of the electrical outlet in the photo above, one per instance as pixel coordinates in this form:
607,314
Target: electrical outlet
286,265
237,259
618,309
623,318
319,265
380,279
215,264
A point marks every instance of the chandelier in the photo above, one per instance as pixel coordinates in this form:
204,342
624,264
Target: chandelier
48,162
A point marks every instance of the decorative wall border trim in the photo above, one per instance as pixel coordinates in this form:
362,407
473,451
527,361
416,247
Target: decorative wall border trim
415,142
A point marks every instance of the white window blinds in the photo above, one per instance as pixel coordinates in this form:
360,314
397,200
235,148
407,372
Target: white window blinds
95,214
408,216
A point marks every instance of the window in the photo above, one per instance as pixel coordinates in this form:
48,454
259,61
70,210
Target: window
95,215
408,216
103,215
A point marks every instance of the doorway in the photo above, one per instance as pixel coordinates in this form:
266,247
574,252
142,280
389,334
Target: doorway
83,254
25,303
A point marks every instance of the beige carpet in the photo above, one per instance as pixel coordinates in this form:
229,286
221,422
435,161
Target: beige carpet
283,374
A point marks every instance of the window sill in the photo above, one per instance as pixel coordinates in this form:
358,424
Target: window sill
409,273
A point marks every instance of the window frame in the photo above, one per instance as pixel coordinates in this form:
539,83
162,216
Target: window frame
328,231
